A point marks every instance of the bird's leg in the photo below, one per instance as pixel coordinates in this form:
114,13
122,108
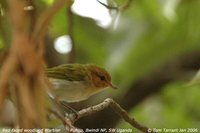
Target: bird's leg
64,108
71,111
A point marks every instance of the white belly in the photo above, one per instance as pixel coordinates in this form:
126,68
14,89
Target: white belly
71,91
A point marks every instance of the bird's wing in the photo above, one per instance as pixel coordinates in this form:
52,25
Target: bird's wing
70,72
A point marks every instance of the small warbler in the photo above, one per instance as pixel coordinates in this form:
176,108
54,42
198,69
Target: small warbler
77,82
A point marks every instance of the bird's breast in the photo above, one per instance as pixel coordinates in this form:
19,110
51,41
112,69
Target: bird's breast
71,91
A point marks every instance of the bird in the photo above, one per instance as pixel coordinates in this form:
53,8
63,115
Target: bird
77,82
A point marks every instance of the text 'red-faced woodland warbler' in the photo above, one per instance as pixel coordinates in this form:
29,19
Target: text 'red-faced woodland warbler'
77,82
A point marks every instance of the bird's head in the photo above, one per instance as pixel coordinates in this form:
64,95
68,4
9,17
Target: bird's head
100,77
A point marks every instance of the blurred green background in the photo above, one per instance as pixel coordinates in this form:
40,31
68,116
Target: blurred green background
151,49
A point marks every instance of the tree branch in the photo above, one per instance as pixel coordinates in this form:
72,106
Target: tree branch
19,24
23,70
6,71
116,107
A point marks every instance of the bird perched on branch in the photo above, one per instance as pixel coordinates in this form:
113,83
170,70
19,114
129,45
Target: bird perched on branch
77,82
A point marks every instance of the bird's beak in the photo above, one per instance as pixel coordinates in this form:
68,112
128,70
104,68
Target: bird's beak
112,86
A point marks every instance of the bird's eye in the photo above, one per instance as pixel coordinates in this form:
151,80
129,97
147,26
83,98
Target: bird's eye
102,78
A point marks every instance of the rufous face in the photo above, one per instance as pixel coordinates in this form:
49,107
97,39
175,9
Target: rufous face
100,77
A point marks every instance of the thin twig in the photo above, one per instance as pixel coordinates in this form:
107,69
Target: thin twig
116,107
108,7
118,8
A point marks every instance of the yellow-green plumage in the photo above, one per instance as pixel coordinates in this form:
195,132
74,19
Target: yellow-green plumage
70,72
